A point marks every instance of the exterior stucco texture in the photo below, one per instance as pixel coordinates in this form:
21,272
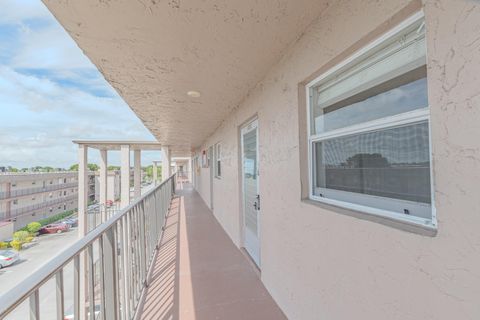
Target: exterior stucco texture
319,264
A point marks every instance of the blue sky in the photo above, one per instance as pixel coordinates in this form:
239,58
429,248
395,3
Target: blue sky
51,94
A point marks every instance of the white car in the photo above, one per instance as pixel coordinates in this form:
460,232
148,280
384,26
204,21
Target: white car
8,257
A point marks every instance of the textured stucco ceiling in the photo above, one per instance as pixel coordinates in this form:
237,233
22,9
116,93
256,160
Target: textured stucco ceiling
152,52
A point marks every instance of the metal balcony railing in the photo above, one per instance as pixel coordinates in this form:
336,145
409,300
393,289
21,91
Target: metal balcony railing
29,191
24,210
110,265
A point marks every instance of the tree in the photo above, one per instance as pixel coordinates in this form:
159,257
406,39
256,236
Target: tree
91,167
20,236
113,168
33,227
149,172
17,245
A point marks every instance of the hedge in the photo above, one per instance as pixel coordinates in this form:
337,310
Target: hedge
24,235
56,217
52,219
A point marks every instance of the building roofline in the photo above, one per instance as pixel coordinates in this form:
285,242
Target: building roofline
116,144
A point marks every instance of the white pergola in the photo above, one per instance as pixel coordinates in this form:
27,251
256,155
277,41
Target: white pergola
124,147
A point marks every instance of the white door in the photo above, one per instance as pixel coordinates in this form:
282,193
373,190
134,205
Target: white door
251,197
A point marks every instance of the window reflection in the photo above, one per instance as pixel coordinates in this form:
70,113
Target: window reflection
390,163
402,94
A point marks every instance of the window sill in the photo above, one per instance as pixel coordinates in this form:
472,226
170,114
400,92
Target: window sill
400,224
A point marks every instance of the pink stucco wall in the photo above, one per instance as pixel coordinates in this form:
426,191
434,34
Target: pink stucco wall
319,264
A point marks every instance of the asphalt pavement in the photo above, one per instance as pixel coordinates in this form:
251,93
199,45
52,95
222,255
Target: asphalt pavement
44,249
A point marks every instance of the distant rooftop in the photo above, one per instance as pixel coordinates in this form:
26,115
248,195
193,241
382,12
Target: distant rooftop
25,173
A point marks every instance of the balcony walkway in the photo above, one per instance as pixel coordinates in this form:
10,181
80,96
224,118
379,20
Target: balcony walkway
199,273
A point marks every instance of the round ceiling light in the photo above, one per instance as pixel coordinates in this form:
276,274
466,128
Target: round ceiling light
193,94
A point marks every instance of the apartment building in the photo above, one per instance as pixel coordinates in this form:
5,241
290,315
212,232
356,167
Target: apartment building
335,157
27,197
32,196
113,186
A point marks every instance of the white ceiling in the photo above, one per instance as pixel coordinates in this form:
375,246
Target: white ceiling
154,51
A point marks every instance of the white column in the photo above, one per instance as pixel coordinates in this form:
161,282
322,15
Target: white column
103,184
82,218
190,173
137,173
155,173
82,190
166,163
124,176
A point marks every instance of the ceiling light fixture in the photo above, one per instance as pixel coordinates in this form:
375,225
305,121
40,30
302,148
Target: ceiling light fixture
193,94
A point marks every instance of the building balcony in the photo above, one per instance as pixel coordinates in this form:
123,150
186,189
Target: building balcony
29,191
298,117
162,257
12,214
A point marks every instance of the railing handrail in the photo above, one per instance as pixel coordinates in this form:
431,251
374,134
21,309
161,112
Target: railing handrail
14,297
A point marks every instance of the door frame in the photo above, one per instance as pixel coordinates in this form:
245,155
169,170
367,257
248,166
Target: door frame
211,173
246,124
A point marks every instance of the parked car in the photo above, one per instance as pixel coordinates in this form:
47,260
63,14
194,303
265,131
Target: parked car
72,222
54,228
109,203
94,208
8,257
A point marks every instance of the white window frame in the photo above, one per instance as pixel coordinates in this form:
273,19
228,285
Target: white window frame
218,159
389,122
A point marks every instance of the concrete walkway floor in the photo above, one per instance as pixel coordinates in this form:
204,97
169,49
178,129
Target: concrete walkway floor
199,273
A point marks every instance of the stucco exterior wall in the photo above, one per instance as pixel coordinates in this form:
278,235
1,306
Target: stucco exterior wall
319,264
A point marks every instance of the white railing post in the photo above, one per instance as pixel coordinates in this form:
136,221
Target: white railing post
102,182
137,174
34,306
111,304
76,287
125,176
60,295
91,283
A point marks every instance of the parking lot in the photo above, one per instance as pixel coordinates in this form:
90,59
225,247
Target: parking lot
41,251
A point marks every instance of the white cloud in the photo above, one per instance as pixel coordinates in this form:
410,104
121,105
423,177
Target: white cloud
40,119
49,48
14,11
41,113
